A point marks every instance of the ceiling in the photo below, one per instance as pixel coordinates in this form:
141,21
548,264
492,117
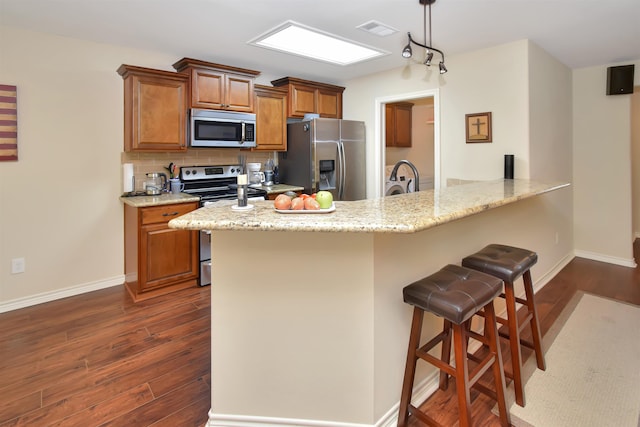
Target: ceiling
579,33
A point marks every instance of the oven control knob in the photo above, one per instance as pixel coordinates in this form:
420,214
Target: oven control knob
194,172
187,172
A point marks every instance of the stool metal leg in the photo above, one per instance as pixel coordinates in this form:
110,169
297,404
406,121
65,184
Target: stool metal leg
410,367
535,324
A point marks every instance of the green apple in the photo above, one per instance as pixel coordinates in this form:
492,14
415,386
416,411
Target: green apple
324,199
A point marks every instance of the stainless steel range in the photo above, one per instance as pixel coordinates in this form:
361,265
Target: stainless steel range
213,184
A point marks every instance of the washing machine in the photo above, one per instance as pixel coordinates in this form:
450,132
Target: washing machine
391,188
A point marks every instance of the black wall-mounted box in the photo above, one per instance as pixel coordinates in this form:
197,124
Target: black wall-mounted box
620,80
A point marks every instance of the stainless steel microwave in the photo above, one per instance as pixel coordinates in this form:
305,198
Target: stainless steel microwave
213,128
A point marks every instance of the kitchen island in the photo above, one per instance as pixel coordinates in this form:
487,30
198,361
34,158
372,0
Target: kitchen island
308,323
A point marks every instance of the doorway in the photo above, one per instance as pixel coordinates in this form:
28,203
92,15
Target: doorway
426,104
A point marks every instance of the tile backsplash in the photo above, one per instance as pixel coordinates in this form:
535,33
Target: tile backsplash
144,163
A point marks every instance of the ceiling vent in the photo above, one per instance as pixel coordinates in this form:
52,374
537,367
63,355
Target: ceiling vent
377,28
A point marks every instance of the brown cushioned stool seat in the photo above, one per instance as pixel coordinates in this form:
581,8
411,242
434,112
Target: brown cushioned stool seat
509,263
456,294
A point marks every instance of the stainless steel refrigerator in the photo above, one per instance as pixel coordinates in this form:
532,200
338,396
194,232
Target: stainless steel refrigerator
325,154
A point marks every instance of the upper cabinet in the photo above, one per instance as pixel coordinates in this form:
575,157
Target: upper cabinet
398,124
155,109
271,118
307,97
218,87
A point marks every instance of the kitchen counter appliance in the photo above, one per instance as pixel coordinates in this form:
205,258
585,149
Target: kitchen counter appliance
213,184
325,154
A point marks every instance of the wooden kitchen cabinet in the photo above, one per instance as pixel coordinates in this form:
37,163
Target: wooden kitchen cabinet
398,124
155,109
159,259
271,118
218,87
307,97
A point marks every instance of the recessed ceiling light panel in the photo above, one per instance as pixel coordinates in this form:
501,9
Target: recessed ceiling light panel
297,39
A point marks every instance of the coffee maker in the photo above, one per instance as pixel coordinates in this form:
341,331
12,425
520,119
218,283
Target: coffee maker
155,183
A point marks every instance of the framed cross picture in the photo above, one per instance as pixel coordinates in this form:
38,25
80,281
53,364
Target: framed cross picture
478,127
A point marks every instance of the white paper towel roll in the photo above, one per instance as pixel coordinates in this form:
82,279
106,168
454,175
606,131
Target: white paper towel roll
127,178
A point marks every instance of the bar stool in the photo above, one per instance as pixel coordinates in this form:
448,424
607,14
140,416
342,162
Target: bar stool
454,293
509,263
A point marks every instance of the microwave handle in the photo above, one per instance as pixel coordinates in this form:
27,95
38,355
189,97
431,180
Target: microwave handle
242,138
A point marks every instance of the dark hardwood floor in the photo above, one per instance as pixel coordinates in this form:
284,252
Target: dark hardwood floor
98,359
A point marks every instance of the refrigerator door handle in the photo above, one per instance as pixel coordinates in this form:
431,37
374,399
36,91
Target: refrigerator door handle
343,170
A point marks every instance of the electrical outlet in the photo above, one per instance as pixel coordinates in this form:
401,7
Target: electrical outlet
17,265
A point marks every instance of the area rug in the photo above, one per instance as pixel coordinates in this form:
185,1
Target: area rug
593,369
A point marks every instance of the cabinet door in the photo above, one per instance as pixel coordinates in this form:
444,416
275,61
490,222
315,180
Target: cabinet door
167,256
207,89
329,104
239,93
398,124
389,125
271,119
403,126
155,114
303,100
221,91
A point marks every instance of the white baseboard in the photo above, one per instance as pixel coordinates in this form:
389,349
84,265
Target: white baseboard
60,293
546,277
420,393
225,420
625,262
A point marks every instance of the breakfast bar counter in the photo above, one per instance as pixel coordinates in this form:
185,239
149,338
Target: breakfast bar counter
308,324
409,213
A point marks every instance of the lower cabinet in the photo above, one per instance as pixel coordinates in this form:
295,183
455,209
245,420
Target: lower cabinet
159,259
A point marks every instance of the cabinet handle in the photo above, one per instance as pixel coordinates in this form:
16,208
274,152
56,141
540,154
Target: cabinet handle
170,214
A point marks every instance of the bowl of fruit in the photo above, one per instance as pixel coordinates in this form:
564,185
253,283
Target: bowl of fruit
316,203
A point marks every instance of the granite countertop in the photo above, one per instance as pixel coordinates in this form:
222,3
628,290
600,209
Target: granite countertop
162,199
281,188
143,201
404,213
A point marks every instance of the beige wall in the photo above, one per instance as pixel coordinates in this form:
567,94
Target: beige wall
602,168
60,209
467,88
550,140
59,206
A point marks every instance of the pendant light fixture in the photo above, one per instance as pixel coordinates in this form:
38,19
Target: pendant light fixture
407,52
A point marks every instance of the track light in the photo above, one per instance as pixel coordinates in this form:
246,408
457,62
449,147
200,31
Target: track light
407,53
427,61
